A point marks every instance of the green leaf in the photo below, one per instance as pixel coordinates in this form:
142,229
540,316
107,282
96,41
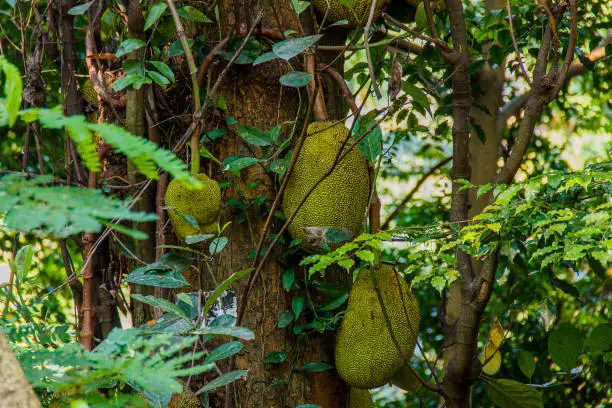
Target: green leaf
288,279
265,57
129,45
285,319
13,87
165,273
308,406
316,367
80,9
299,5
371,144
238,332
565,346
295,79
154,14
158,78
194,239
212,298
365,255
253,135
526,363
217,245
297,305
288,49
420,18
237,163
162,304
164,69
600,338
23,262
418,96
193,14
438,283
513,394
223,380
224,351
276,357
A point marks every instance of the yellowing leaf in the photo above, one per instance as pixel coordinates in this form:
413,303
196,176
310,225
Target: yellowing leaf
496,336
491,358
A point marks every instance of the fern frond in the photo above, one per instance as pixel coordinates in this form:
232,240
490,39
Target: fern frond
29,205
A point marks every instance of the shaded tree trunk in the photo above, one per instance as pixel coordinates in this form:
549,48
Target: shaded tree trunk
15,390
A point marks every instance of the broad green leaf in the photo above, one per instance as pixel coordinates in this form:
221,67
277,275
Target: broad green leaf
420,17
224,351
295,79
237,163
223,380
154,14
165,273
288,49
193,14
129,45
158,78
299,5
212,298
194,239
265,57
253,135
439,283
162,304
80,9
365,255
276,357
526,363
238,332
13,87
600,338
288,279
565,346
297,305
370,145
164,69
23,262
217,245
285,318
513,394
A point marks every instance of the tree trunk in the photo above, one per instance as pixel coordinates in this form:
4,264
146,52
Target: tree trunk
15,391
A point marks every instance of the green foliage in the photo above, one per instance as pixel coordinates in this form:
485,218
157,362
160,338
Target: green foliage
32,205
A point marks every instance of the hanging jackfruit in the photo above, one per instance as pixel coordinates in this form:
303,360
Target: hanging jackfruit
340,200
89,92
335,10
366,355
359,398
203,205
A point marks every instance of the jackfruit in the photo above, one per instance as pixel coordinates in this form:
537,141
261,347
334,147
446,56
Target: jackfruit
366,355
359,398
340,200
89,92
334,10
185,399
204,205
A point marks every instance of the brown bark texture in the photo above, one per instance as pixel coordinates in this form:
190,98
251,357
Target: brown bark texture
15,391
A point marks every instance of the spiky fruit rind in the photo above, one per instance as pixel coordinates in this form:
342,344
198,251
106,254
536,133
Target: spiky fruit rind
203,204
185,399
366,355
334,10
340,200
89,92
359,398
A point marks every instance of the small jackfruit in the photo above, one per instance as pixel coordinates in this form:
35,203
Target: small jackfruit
359,398
341,199
89,92
204,205
335,10
185,399
366,355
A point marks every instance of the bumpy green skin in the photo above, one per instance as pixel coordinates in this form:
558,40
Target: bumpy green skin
204,205
366,356
341,199
358,15
359,398
185,399
89,92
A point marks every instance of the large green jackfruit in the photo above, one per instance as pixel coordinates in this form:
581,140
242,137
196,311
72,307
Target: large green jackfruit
89,92
340,200
359,398
366,355
204,205
334,10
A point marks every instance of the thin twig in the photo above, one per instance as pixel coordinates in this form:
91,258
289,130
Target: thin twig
519,56
366,36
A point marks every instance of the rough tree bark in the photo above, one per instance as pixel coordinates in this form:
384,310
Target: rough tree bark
15,390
